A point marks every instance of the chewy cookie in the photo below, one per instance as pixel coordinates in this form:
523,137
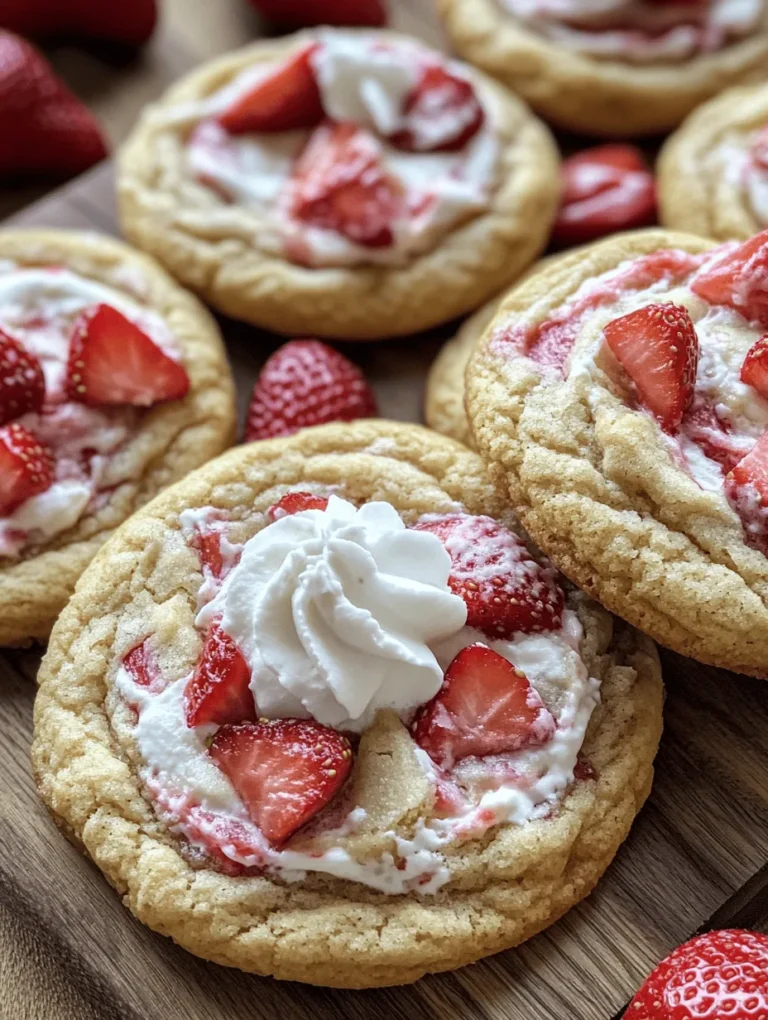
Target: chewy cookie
340,183
113,384
713,172
620,397
613,67
332,721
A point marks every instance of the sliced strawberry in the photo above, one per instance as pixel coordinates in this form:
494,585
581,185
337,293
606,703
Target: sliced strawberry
285,771
485,706
449,800
305,383
218,691
112,361
712,434
295,503
658,349
738,278
605,189
505,590
286,99
746,489
141,665
22,383
340,183
754,370
26,467
441,114
302,13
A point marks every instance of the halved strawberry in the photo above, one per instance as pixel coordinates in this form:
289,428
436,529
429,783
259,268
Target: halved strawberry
605,189
294,503
218,691
286,99
112,361
737,278
340,183
485,706
658,348
754,370
441,113
505,590
26,467
22,383
285,771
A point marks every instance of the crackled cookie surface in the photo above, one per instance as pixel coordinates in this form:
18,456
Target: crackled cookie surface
613,67
713,173
113,383
342,183
620,397
334,720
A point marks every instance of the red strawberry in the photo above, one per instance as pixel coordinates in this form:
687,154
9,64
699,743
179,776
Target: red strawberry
712,434
141,665
714,976
485,706
738,278
26,467
44,127
294,503
754,371
605,189
339,183
300,13
305,382
442,113
131,23
505,590
287,98
285,771
658,349
112,361
218,691
22,383
746,489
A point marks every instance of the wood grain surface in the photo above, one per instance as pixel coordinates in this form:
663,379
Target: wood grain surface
70,951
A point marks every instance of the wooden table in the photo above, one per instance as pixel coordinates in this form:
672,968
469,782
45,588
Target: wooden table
70,951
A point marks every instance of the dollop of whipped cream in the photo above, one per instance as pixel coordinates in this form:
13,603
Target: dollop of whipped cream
336,611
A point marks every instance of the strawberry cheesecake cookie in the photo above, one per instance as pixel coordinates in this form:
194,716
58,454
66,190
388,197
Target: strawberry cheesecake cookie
621,396
333,721
613,67
113,384
352,184
713,173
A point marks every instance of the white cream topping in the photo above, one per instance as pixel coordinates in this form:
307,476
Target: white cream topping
638,31
38,306
336,610
364,82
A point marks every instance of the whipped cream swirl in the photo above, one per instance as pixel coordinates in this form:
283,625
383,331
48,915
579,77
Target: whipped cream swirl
336,611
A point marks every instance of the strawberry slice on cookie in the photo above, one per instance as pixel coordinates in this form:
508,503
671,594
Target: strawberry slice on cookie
286,99
22,383
738,278
286,771
486,706
441,114
218,691
26,467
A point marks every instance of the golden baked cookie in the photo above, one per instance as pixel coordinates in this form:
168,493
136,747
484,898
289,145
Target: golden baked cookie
713,172
617,67
444,394
358,828
113,384
408,190
619,398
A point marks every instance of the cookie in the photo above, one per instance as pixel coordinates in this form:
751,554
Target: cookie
114,384
362,585
340,183
621,67
618,398
713,172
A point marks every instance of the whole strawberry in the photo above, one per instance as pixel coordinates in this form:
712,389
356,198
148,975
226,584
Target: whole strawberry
304,383
131,23
717,975
44,127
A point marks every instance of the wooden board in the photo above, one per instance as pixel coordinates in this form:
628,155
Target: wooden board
68,949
